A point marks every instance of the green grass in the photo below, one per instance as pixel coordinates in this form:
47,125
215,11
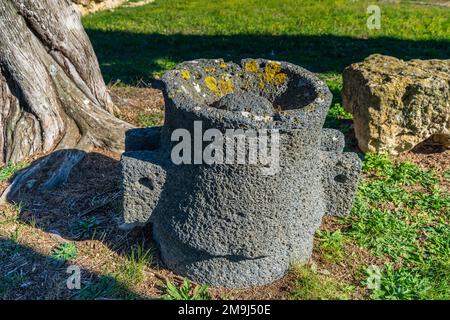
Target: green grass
409,228
324,36
150,120
402,284
331,245
338,112
338,118
132,272
104,287
120,284
134,44
9,170
311,285
379,164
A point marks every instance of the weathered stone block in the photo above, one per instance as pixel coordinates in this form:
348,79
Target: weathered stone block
397,104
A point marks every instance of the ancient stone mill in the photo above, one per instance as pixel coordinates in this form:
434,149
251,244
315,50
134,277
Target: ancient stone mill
238,224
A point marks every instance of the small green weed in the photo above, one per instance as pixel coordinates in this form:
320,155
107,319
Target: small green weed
132,271
185,292
331,245
62,253
85,227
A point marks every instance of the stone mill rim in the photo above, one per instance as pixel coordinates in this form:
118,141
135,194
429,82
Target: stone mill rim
310,115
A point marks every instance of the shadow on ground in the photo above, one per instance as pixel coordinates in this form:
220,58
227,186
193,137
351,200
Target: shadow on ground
27,274
86,207
131,57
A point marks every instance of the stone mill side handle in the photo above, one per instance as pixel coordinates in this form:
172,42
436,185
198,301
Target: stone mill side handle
340,173
146,174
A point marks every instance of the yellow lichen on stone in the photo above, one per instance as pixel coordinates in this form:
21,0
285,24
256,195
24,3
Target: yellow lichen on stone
273,74
221,87
271,70
185,74
225,86
274,65
280,78
262,84
209,70
211,84
223,65
251,66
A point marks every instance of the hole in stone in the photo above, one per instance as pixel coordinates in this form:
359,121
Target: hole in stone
341,178
147,182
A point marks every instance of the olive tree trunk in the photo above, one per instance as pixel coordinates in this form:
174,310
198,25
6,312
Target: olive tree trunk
52,94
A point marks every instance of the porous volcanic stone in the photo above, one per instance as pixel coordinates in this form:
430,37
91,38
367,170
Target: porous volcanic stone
229,225
397,104
245,102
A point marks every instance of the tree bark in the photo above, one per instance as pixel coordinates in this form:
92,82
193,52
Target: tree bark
52,94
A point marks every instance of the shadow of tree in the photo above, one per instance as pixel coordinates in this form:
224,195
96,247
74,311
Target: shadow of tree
86,207
131,57
27,274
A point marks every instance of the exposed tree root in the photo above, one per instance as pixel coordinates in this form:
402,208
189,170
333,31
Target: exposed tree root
52,94
44,174
64,165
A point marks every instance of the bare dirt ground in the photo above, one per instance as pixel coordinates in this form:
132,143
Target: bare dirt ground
46,219
135,102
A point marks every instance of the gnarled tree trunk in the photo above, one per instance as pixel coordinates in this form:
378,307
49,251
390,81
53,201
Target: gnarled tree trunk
52,94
